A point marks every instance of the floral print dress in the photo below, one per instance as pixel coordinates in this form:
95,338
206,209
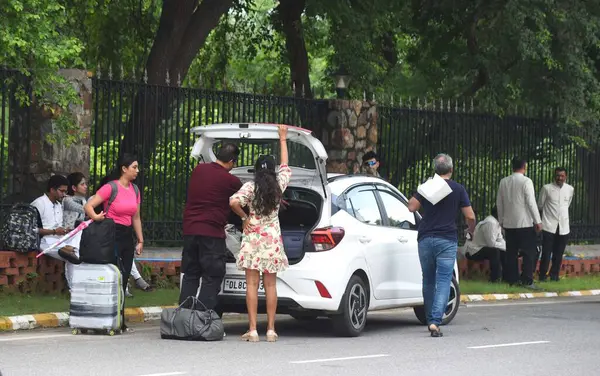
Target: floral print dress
262,245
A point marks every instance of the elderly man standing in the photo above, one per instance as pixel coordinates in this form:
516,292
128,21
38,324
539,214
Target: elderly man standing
555,199
519,216
438,241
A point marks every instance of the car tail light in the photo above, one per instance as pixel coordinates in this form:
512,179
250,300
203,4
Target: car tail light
325,239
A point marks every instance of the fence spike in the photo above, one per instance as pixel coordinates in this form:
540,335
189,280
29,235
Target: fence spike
401,101
364,95
464,106
110,73
145,75
472,109
303,91
168,79
178,79
409,102
98,71
293,88
418,103
122,72
455,104
133,74
433,104
392,100
441,104
373,96
426,104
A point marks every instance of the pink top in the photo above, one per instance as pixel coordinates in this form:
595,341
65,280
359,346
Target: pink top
125,205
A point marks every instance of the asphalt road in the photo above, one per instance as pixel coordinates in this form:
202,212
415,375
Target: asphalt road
557,336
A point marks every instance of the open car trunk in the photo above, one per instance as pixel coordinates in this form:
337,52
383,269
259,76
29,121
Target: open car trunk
297,220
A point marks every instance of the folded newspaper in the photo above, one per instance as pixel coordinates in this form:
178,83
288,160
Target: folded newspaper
434,189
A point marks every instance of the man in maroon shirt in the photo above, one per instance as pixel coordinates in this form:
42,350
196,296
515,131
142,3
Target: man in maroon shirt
204,219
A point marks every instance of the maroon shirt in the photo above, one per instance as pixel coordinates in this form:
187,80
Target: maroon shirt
207,207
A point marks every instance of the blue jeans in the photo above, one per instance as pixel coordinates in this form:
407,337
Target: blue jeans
437,258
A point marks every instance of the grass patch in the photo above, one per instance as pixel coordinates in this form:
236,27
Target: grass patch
24,304
565,284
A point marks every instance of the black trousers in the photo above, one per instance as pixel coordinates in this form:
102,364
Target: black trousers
496,258
525,241
203,257
125,249
553,246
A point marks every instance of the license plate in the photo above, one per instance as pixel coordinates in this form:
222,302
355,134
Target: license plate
238,285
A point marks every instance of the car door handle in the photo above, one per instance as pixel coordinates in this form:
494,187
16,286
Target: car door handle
364,239
402,239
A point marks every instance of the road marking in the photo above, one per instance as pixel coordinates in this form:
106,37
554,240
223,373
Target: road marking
339,359
165,374
509,344
19,338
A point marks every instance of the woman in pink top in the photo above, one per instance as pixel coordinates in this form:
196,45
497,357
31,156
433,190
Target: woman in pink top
125,212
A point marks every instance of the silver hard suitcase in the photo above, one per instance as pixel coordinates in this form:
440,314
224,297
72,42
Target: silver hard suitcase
96,299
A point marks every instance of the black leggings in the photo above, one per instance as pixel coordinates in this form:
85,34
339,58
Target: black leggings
125,249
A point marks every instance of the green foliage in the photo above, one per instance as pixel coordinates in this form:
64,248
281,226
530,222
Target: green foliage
33,41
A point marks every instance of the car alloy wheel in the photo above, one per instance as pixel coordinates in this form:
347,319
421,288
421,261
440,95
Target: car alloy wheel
357,306
352,318
451,308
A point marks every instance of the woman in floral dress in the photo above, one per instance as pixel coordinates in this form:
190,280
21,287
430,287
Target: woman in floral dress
262,246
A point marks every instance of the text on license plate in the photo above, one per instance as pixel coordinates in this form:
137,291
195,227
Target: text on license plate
239,285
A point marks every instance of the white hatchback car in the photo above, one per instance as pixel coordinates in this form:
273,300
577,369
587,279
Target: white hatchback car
350,239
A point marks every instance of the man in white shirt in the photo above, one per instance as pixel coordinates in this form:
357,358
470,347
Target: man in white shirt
554,201
518,214
488,244
49,205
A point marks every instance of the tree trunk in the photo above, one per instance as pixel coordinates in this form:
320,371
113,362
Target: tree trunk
290,16
182,31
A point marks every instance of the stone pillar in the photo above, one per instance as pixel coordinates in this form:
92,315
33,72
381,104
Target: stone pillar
350,132
43,158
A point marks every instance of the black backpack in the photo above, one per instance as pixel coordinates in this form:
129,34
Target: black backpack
97,244
20,231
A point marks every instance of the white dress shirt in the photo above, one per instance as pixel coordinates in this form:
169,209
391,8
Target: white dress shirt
554,204
52,218
517,207
488,233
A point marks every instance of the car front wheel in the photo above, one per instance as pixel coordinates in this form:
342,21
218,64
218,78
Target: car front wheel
451,308
354,307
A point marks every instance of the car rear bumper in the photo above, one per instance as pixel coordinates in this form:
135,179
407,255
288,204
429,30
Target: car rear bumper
296,288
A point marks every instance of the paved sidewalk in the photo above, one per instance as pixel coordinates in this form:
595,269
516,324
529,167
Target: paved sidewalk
143,314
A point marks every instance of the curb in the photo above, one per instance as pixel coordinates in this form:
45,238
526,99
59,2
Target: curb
61,319
143,314
528,295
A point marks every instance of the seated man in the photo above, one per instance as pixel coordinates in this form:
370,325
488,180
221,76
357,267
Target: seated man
488,244
49,205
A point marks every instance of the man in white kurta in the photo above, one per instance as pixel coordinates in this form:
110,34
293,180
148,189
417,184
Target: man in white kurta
49,205
554,201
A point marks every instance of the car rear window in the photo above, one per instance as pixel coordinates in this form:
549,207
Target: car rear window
299,155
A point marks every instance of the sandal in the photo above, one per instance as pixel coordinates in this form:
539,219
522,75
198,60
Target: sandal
435,331
272,336
251,336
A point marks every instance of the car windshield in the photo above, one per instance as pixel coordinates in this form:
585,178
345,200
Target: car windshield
250,150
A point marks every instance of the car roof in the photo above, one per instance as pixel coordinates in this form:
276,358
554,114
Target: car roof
338,183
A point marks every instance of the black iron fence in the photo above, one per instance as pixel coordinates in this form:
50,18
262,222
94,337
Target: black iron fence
482,146
15,121
154,122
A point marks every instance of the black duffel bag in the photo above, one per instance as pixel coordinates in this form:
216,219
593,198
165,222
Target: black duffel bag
190,324
97,244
